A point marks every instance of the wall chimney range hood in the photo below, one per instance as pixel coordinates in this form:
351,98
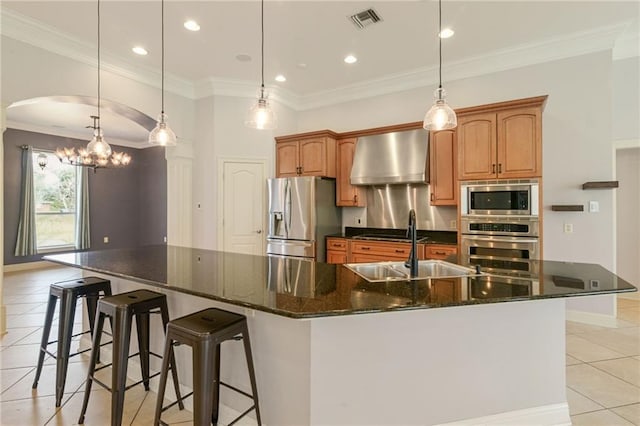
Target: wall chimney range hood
391,158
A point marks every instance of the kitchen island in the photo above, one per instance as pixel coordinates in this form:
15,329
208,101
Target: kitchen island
333,348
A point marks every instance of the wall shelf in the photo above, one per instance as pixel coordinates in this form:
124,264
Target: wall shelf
567,208
600,185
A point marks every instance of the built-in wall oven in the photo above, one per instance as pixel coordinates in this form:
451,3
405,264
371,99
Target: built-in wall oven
500,226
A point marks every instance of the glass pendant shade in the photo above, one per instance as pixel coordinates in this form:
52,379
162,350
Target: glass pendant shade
261,116
162,134
98,146
440,116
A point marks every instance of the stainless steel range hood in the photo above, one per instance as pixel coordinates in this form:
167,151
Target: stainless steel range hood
391,158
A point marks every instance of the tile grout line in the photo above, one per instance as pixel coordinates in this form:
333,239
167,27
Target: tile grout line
613,375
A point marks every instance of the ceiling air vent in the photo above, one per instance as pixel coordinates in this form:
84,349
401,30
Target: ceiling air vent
365,18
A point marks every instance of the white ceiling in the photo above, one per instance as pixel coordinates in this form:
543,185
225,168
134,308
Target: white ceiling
319,35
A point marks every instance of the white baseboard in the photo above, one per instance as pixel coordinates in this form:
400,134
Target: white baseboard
546,415
40,264
592,318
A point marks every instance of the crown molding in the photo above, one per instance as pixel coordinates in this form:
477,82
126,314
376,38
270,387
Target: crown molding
35,33
244,89
573,45
66,133
627,46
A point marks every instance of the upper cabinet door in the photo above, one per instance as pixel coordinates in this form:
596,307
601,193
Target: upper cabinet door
347,194
477,146
313,157
443,168
287,154
520,143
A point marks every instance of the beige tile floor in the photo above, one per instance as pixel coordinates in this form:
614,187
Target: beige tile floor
603,367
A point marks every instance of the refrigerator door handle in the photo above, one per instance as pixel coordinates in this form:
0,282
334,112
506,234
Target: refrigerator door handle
287,208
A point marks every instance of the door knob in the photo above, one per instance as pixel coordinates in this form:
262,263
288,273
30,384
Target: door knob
259,231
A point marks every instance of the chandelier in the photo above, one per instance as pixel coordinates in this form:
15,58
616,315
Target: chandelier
98,154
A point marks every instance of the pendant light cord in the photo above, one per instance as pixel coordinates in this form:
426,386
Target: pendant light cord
162,38
262,46
98,64
440,42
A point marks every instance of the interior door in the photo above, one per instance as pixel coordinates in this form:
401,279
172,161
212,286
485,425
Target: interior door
243,207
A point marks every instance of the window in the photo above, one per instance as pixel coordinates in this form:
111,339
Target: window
55,199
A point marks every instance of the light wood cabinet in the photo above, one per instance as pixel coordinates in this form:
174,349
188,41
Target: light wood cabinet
373,251
337,250
309,154
347,194
439,252
503,144
443,168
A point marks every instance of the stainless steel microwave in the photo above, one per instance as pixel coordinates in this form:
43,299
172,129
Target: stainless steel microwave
500,198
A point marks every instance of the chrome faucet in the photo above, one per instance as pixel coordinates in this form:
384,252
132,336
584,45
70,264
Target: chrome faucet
412,232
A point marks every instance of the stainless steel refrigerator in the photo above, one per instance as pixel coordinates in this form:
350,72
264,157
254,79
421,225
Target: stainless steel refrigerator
302,212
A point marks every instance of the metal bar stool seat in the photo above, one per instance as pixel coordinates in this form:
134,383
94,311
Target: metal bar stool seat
68,292
204,331
121,308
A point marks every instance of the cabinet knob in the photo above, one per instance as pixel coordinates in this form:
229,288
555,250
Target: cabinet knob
431,196
355,199
493,168
259,231
366,248
399,251
499,167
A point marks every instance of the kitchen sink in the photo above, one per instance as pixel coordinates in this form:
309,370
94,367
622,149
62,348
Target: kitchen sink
397,271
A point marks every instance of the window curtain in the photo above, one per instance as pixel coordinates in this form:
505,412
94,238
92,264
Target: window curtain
26,243
83,236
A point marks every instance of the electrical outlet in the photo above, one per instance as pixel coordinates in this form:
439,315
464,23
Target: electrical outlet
453,224
568,228
594,207
105,240
358,221
165,239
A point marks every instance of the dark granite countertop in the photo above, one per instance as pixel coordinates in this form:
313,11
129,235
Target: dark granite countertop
388,234
268,283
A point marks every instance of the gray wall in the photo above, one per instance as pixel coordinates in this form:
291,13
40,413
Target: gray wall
128,205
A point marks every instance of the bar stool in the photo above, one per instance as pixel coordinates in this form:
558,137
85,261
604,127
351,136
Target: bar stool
121,308
204,331
68,292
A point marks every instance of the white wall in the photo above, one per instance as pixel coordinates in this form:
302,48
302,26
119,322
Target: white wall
576,138
221,133
626,99
29,72
628,214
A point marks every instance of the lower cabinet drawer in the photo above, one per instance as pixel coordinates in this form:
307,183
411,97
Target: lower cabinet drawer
440,252
390,250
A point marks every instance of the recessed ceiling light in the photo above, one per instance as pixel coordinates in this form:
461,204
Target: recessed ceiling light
350,59
192,25
139,50
446,33
281,78
243,58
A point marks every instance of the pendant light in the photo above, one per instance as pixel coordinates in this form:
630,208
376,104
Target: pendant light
162,134
98,153
440,116
97,146
261,116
